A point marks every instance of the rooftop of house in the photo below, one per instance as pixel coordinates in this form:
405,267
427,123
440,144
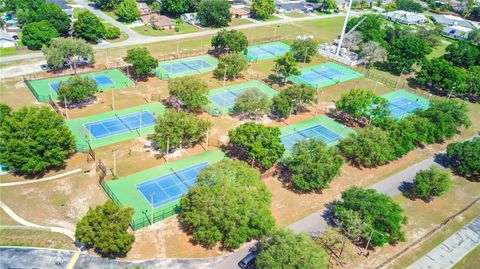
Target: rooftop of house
405,15
238,11
156,18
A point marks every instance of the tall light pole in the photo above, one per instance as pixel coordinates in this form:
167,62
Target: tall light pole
344,28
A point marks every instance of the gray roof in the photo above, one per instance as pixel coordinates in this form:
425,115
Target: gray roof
449,20
400,15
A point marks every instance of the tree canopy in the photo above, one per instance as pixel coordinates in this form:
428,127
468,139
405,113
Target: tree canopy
409,5
175,8
229,204
88,26
363,105
372,52
67,50
262,143
35,35
262,9
371,28
252,103
447,116
214,13
107,5
304,49
77,89
5,111
292,100
127,10
313,164
178,129
231,40
463,54
381,217
230,65
370,147
406,51
465,158
105,229
286,66
143,62
431,182
54,14
190,91
284,249
34,139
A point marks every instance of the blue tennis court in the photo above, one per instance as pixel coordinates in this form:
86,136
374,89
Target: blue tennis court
100,80
187,65
227,98
122,124
267,50
315,76
318,131
402,106
170,187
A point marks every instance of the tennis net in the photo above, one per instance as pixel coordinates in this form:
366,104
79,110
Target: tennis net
126,125
268,51
325,74
180,177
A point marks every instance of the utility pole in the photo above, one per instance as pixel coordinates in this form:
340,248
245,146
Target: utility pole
344,28
114,151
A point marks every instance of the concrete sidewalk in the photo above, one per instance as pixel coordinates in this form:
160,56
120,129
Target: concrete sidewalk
453,249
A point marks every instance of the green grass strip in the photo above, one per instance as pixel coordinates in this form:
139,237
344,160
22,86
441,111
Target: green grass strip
82,134
124,192
163,73
41,88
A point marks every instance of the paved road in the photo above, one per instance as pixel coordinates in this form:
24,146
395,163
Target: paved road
137,39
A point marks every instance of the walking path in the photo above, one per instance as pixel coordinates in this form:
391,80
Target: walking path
9,184
18,219
453,249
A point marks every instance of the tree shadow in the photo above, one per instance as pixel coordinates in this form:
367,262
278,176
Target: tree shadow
442,159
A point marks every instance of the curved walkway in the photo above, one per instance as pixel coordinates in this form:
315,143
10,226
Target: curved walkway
9,184
18,219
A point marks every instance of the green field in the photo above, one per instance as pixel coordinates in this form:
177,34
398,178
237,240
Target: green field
148,30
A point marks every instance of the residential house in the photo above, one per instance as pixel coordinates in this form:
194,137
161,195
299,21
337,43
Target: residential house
457,32
190,18
449,20
6,40
157,21
300,6
405,17
64,6
239,13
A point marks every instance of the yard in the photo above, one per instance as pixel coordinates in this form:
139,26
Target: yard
148,30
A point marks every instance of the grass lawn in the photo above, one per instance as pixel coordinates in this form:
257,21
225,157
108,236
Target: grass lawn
472,260
271,18
35,238
149,31
438,51
295,14
236,22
